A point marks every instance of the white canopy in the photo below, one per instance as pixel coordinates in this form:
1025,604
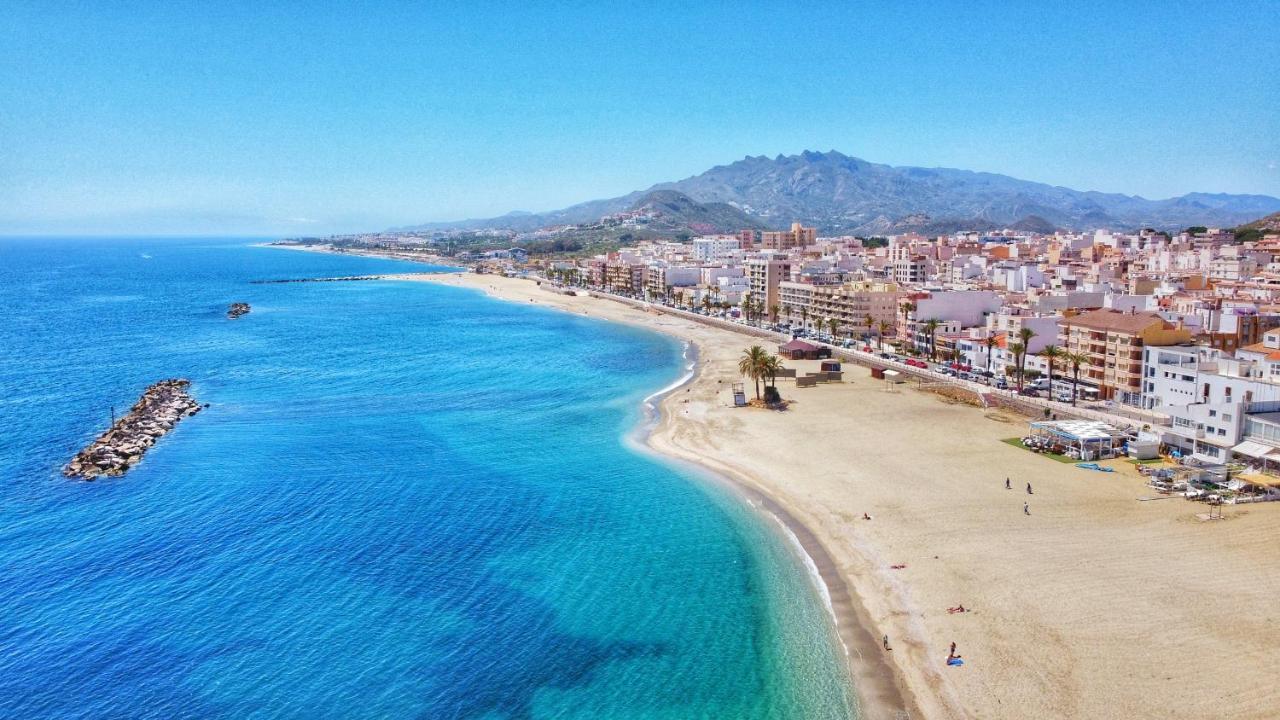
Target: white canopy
1252,449
1079,430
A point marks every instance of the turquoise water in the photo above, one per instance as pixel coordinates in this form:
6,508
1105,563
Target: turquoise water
405,500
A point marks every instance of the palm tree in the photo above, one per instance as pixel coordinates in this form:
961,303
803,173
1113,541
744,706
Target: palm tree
867,319
706,303
1076,360
752,364
1024,334
990,342
772,364
834,325
773,312
1018,349
884,327
804,317
1051,353
931,327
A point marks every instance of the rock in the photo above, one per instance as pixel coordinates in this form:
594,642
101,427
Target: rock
123,445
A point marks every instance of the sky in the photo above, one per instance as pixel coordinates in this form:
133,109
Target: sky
285,119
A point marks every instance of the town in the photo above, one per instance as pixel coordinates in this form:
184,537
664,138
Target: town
1175,333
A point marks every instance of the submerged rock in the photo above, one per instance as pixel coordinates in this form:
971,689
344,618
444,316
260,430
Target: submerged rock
237,309
122,446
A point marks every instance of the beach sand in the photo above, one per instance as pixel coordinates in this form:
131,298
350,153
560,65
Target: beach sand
1096,605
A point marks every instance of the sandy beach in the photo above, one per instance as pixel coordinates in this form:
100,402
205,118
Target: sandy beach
1095,605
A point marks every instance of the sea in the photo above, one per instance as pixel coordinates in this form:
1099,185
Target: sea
405,500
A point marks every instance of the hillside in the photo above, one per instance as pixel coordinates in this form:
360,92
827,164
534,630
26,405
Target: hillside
842,194
1270,223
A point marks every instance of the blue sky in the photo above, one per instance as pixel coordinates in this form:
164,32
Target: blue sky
297,118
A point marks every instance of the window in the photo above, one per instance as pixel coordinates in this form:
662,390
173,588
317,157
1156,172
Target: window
1226,417
1213,413
1222,432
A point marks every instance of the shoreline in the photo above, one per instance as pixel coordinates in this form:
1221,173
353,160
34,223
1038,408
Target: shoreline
1055,596
877,685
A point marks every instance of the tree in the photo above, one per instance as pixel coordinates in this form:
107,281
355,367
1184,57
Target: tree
883,329
1051,353
772,364
868,320
1076,360
706,303
1024,334
752,364
804,316
990,342
833,324
773,313
931,328
1018,350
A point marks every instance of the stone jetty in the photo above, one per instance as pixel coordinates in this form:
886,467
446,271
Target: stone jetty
352,278
237,309
349,278
159,409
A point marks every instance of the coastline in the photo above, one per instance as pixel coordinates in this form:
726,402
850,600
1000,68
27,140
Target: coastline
877,684
1057,597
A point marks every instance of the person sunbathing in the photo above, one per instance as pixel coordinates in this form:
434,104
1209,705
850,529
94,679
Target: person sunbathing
957,609
897,567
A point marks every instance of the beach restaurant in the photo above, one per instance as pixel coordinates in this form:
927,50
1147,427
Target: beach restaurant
1083,439
801,350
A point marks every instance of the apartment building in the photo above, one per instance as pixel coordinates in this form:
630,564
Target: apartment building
765,273
660,279
849,303
1211,398
797,237
712,248
1113,342
624,277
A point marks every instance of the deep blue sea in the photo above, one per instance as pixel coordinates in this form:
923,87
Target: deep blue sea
405,501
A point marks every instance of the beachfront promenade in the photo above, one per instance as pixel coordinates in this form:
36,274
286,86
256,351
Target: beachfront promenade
1131,418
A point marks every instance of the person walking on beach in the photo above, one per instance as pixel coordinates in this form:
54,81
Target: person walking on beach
1026,509
1007,486
1029,489
953,650
886,643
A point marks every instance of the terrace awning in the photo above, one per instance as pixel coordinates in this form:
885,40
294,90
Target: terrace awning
1252,449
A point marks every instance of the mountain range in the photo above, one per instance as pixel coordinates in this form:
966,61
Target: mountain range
846,195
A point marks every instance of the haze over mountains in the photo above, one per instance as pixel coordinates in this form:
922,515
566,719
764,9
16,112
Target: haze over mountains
846,195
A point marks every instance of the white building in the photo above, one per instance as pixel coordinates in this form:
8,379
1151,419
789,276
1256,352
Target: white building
712,248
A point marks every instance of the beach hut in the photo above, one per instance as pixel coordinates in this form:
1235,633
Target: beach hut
830,366
801,350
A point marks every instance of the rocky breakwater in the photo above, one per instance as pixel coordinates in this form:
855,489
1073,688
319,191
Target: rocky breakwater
121,447
237,309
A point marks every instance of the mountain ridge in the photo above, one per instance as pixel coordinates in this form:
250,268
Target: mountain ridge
841,194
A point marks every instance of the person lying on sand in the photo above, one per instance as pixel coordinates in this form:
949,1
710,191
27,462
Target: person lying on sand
897,567
957,609
866,516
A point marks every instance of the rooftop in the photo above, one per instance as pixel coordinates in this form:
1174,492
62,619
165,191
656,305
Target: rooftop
1115,320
